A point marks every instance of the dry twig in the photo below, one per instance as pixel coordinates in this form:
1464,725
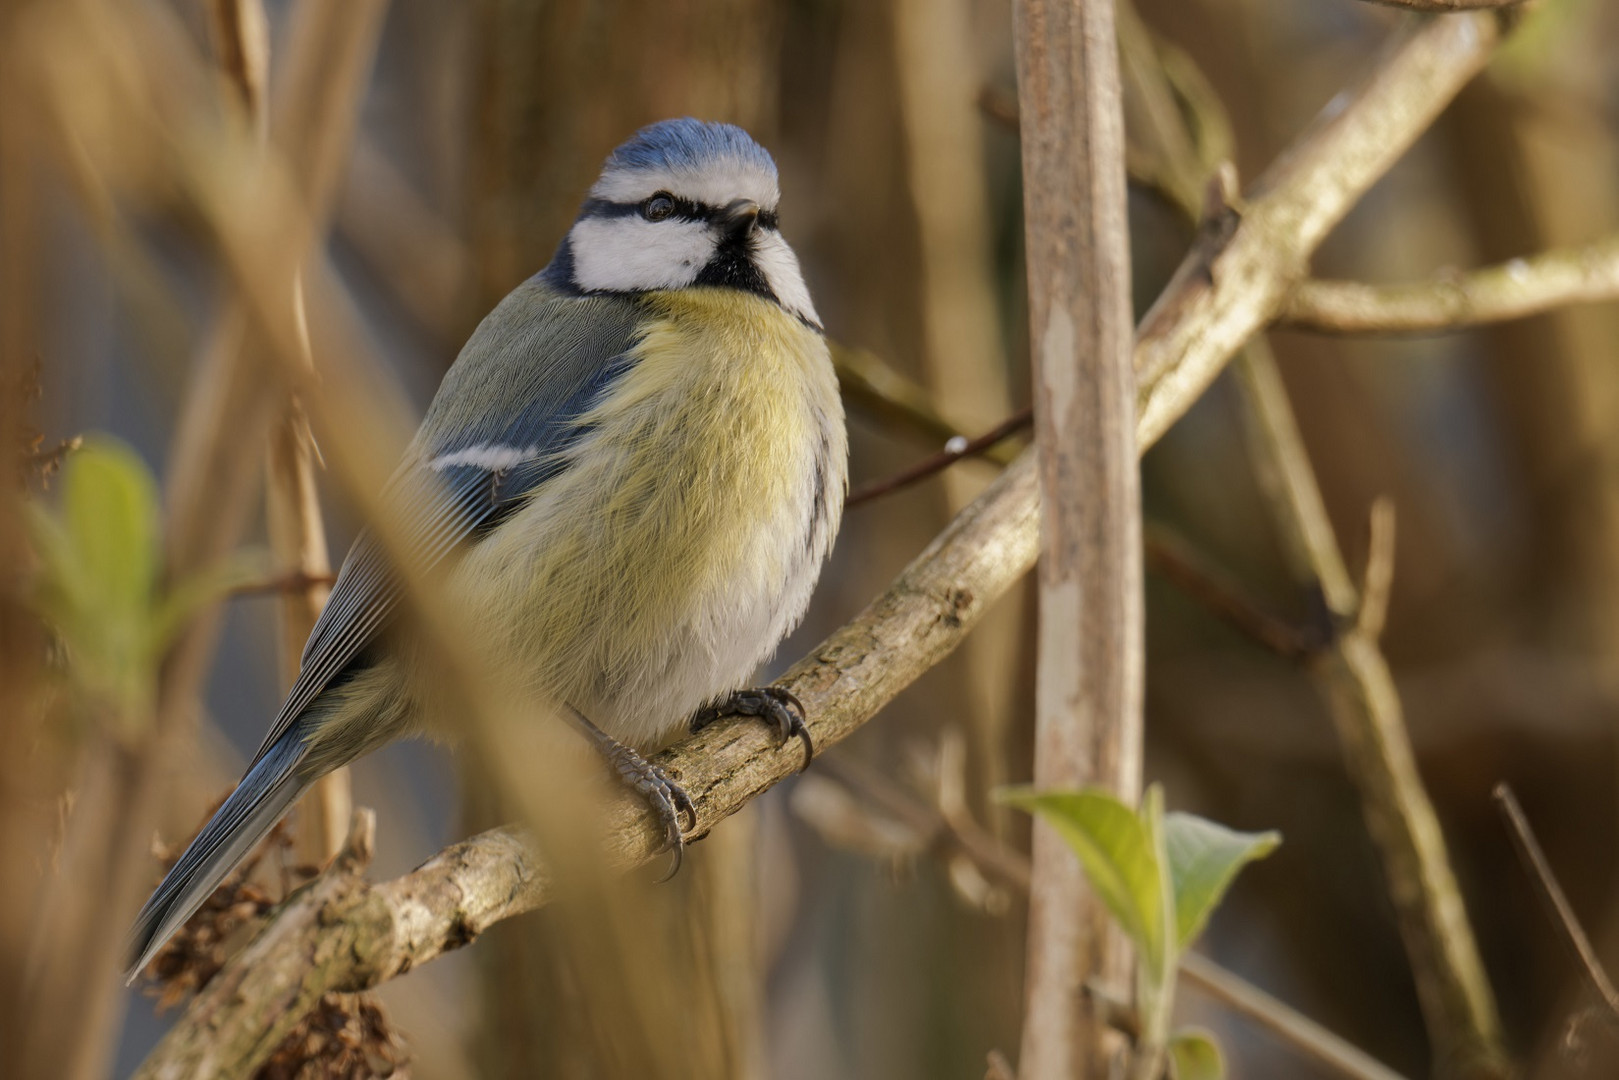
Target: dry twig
1246,263
1512,290
1354,676
1556,901
955,449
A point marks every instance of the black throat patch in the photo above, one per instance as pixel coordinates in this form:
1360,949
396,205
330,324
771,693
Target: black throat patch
732,267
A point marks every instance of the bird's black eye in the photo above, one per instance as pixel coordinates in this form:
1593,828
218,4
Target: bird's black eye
658,206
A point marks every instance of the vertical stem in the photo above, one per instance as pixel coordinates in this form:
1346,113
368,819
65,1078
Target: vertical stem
964,364
292,508
1088,698
298,540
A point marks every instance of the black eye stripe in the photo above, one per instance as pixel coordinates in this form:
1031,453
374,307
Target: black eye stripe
685,210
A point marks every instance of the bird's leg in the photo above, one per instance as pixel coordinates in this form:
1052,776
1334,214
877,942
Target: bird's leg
777,707
667,798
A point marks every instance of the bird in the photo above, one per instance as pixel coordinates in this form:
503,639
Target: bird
633,471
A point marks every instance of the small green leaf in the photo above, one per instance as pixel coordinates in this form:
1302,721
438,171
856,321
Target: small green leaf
1115,847
109,506
99,566
1194,1055
1204,857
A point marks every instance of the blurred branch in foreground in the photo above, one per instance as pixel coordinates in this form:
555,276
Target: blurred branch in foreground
297,533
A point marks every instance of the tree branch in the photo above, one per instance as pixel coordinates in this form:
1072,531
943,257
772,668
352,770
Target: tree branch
1512,290
1248,258
1354,677
1203,317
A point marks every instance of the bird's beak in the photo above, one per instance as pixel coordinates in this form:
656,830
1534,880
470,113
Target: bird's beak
739,219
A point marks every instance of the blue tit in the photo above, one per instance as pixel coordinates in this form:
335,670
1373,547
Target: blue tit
633,471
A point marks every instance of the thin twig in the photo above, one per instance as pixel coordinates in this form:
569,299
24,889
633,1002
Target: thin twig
1244,265
1552,895
294,581
1195,576
45,462
1378,580
1512,290
955,449
1353,675
296,530
1295,1029
871,384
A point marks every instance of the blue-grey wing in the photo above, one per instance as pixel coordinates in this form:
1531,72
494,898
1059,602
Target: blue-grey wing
500,426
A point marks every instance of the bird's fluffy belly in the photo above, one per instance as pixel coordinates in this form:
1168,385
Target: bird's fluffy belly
668,561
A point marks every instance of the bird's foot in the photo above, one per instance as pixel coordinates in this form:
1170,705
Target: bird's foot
667,799
777,707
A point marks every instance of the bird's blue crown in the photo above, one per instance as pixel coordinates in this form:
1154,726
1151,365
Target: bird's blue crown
685,145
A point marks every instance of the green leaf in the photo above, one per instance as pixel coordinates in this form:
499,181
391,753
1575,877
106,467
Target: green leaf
1204,857
109,508
1115,847
1194,1055
99,563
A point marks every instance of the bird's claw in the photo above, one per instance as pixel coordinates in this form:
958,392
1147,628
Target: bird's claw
775,705
667,799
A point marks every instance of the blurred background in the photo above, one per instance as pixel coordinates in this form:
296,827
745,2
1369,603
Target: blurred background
821,936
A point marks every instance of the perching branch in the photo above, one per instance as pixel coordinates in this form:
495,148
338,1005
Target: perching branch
1512,290
1204,316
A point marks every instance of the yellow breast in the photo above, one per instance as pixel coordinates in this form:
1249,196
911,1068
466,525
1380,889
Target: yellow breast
680,545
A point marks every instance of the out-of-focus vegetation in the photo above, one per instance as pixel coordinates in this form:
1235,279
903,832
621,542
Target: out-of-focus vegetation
163,200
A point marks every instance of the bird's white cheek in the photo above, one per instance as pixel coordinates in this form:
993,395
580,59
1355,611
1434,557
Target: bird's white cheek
626,254
780,267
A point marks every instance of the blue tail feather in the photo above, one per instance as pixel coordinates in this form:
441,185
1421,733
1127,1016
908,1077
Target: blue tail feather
265,793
